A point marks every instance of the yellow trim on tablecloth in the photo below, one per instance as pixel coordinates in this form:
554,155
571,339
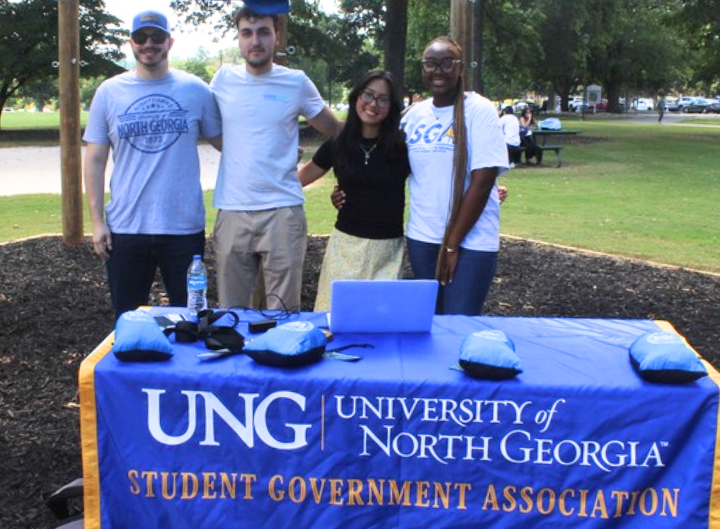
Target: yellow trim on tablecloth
714,511
88,433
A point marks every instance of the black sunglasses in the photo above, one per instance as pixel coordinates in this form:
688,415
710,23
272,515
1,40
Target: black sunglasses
157,38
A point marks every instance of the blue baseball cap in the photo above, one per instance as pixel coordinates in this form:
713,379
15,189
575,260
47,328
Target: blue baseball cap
150,19
269,7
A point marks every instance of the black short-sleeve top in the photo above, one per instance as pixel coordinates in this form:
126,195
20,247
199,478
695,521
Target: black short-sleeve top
375,193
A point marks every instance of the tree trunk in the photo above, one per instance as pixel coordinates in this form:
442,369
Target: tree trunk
613,94
395,38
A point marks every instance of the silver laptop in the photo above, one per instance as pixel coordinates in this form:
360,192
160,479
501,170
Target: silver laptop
382,306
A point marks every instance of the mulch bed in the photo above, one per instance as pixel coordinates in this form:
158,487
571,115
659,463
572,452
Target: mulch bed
55,308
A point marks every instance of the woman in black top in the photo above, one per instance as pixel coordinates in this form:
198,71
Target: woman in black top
369,158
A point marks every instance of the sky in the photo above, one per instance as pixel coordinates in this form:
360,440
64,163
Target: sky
186,43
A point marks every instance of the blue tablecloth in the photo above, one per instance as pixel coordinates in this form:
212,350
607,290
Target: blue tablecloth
401,440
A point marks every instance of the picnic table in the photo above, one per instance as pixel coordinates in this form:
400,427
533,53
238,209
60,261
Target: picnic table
543,134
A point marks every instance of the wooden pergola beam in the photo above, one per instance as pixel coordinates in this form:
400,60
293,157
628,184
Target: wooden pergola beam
70,141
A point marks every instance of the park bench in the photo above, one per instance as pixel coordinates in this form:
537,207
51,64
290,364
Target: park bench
556,148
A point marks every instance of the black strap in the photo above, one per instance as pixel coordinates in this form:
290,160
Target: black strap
215,336
335,354
350,346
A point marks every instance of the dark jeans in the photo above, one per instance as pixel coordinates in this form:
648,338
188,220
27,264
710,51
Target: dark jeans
514,154
531,148
134,260
471,284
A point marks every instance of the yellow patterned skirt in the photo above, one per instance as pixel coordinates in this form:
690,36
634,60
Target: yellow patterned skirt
349,257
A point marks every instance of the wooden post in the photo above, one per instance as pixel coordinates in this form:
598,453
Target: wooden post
70,146
281,57
478,24
461,31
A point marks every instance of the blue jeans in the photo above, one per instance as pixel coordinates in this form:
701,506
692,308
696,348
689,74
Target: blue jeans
134,260
471,284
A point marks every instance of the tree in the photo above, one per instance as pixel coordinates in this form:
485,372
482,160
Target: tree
510,47
563,38
625,55
28,49
39,92
199,65
699,24
315,37
426,20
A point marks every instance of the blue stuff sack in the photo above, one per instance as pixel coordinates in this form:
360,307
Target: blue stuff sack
550,124
489,354
292,344
138,338
664,357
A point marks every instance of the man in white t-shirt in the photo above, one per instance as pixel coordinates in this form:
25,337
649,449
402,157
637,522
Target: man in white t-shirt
511,130
261,224
152,119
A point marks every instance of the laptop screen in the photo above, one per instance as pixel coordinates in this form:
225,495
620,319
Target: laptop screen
382,306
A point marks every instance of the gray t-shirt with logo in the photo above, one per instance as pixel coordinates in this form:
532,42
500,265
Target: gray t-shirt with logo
153,126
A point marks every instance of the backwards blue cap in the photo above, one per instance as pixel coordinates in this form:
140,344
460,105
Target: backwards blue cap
150,19
269,7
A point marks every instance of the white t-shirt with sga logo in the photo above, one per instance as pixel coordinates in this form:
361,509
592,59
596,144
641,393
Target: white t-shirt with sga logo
431,148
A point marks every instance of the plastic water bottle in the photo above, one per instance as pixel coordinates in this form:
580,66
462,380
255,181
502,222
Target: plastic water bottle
196,287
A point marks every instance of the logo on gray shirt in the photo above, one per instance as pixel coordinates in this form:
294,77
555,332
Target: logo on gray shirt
153,123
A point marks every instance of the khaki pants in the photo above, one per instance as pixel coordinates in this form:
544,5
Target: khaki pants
272,241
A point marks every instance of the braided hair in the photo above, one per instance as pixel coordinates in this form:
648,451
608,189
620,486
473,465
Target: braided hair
460,155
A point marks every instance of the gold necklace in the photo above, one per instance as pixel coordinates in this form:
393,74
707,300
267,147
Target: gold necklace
368,151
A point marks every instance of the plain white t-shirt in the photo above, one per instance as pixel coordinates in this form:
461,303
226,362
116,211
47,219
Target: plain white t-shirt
511,129
258,166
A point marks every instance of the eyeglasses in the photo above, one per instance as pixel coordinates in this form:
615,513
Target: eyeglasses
156,37
446,65
368,97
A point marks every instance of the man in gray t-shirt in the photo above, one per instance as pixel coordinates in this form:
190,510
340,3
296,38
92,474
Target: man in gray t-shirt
152,119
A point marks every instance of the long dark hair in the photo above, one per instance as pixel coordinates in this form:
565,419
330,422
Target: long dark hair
391,140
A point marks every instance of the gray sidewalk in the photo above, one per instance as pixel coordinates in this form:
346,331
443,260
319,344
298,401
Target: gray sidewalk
27,170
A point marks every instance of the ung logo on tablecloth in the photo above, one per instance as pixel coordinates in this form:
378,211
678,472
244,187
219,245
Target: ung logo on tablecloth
255,413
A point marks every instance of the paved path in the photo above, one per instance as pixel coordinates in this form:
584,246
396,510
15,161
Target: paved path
27,170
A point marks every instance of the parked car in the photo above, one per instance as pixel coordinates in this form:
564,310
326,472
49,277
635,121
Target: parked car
643,104
602,106
698,104
683,101
520,106
575,104
714,107
671,104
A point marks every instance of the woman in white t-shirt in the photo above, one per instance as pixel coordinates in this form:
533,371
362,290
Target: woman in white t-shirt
456,150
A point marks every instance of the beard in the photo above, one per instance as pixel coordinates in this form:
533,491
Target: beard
158,56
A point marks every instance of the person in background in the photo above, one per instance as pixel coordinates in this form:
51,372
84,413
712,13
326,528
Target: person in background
661,109
456,150
152,119
369,158
511,131
261,224
527,138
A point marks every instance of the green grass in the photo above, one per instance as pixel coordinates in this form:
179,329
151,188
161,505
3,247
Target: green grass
34,120
644,191
700,121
